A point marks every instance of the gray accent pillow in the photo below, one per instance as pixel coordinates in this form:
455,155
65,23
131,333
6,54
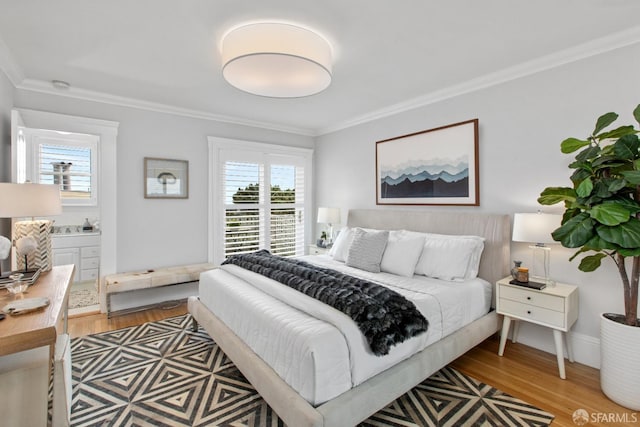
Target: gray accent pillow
366,249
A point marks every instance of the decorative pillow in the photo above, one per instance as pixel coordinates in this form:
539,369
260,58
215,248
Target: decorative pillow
341,246
366,249
450,257
402,252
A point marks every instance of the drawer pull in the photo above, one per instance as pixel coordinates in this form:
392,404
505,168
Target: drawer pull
528,311
529,298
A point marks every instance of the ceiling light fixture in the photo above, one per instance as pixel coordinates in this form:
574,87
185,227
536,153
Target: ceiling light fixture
276,60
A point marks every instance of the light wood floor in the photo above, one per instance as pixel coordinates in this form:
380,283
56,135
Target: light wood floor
523,372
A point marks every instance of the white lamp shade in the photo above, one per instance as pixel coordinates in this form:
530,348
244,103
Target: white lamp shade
22,200
329,215
276,60
535,227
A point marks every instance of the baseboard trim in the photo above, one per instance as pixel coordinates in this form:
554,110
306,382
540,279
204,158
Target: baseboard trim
586,349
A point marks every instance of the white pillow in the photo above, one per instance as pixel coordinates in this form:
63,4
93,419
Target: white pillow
341,246
366,249
450,257
402,252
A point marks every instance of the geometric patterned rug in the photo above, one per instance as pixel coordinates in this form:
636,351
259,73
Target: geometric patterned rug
163,374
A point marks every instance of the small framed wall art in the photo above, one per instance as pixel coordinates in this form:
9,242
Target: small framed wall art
433,167
166,178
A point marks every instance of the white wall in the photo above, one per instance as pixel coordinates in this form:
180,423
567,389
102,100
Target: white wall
522,123
157,233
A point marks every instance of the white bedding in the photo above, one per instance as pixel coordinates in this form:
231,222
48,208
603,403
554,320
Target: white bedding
326,354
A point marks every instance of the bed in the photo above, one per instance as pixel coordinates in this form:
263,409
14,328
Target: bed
329,396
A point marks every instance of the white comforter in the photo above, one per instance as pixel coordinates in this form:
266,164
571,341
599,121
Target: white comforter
317,350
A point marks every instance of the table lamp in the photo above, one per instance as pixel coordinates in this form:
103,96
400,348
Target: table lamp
32,200
329,216
537,228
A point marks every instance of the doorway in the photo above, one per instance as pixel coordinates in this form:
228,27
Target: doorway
88,189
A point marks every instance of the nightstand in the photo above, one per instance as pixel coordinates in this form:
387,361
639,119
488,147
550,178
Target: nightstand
316,250
553,307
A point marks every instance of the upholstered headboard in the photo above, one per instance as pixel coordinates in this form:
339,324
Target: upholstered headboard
495,228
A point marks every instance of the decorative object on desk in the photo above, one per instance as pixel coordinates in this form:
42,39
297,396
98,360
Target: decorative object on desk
329,216
24,306
433,167
17,286
166,178
29,277
536,228
32,200
25,247
5,250
514,270
601,217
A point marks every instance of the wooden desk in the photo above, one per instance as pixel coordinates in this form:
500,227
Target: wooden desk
25,374
40,328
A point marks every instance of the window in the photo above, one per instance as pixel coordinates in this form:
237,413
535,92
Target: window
66,159
259,199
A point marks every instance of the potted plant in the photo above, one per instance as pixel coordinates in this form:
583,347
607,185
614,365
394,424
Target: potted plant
602,220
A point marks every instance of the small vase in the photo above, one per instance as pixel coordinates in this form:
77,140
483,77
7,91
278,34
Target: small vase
514,270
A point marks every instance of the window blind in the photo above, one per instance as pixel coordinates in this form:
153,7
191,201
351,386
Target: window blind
68,166
263,199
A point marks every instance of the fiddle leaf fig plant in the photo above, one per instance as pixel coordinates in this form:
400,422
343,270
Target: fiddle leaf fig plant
602,207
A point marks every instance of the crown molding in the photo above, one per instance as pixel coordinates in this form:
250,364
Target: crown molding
105,98
9,66
592,48
547,62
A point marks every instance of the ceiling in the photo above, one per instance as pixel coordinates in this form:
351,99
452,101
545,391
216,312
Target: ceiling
388,56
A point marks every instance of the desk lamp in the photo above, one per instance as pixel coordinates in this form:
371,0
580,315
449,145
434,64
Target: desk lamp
32,200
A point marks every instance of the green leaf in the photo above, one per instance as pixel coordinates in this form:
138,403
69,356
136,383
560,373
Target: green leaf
616,133
629,252
596,243
616,185
570,145
591,262
633,177
585,188
604,121
627,147
610,214
575,232
553,195
626,235
602,190
636,113
580,251
589,153
629,204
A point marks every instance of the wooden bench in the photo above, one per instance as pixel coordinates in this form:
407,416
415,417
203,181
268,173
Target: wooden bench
153,278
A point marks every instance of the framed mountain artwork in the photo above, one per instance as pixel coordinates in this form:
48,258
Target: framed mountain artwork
433,167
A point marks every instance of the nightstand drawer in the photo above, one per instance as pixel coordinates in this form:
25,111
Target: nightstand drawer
531,313
534,298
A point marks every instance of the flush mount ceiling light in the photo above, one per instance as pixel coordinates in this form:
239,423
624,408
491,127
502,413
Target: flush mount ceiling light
276,60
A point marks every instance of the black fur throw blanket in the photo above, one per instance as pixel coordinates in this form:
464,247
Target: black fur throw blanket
384,316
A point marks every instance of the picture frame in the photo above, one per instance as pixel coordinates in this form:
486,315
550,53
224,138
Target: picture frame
166,178
433,167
